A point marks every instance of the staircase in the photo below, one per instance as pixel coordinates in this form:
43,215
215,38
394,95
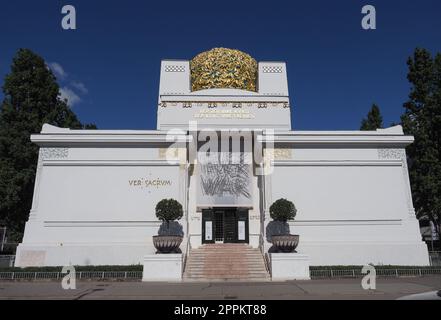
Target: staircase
225,262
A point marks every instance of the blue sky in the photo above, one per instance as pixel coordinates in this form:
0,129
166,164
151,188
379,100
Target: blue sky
336,70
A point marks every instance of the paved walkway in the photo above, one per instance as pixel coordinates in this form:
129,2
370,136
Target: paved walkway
314,289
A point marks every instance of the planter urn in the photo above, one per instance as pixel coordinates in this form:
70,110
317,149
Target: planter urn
285,243
167,244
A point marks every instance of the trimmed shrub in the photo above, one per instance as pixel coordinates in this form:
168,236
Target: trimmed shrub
283,210
169,210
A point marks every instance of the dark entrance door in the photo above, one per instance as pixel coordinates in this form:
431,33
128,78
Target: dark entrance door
230,229
227,225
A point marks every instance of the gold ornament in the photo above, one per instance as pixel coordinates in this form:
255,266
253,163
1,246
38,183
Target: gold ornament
223,68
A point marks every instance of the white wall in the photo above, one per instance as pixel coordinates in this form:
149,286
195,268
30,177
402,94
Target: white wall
88,205
354,205
342,192
91,193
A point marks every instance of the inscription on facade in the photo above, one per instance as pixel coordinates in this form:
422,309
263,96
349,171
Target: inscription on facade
149,183
225,114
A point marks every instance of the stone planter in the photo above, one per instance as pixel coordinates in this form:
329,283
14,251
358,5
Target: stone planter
167,244
285,243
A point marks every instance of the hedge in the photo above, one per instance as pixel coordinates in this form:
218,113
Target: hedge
140,268
379,267
77,268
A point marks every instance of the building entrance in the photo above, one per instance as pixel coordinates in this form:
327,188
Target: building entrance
225,225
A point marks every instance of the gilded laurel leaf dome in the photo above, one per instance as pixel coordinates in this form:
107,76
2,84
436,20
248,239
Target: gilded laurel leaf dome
223,68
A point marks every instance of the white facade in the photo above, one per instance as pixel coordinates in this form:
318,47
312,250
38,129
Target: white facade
96,190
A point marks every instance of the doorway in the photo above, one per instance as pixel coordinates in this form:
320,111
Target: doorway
225,225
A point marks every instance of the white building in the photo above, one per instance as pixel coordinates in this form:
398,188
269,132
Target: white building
96,190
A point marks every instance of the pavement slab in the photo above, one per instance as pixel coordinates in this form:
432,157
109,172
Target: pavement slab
334,289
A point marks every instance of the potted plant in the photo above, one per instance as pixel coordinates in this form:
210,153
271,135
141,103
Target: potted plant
281,211
170,234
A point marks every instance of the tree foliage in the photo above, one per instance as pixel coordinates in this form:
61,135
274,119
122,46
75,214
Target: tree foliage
283,210
31,98
168,210
422,119
373,121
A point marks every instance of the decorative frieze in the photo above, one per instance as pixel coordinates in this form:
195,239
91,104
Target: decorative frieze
282,154
391,154
54,153
173,152
400,154
278,154
272,69
172,68
222,104
237,105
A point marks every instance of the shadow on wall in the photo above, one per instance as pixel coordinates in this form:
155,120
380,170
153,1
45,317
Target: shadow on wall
173,228
275,228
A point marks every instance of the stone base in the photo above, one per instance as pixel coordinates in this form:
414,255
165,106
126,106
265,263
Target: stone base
289,266
82,254
364,253
162,267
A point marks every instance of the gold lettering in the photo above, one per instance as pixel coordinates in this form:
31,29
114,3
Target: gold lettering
149,183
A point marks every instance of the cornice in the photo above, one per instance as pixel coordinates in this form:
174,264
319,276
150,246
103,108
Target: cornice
338,138
87,137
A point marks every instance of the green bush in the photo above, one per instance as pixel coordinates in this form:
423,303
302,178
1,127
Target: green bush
377,267
140,268
169,210
283,210
102,268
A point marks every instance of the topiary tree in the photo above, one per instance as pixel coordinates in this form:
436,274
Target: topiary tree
283,210
169,210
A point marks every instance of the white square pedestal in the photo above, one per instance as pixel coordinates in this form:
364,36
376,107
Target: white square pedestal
162,267
289,266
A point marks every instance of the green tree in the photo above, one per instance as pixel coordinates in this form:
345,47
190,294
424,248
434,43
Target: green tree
373,121
422,119
31,98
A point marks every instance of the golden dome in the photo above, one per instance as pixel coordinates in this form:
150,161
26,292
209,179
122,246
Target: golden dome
223,68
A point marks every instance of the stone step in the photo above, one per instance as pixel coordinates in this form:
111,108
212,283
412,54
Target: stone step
225,246
222,264
237,272
225,262
226,254
220,253
230,266
227,280
203,261
232,271
226,276
226,250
